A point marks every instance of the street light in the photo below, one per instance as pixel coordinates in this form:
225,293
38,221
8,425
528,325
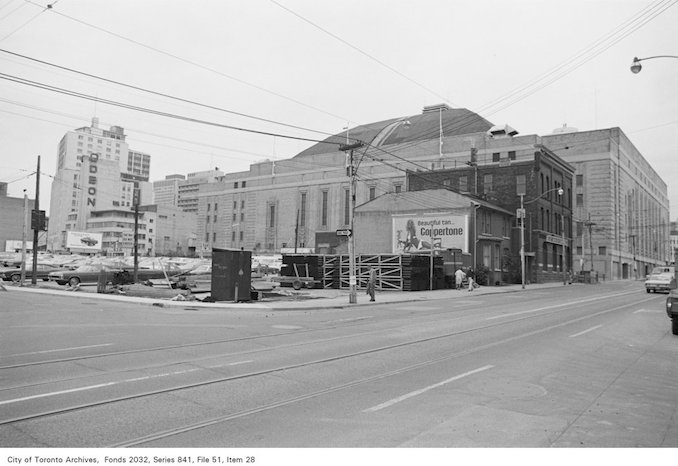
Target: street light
636,66
521,214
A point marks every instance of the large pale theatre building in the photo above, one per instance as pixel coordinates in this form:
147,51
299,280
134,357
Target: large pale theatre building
619,203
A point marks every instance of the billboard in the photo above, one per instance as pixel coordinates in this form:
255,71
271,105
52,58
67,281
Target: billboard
84,240
412,233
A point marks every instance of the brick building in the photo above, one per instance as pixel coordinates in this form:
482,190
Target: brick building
538,175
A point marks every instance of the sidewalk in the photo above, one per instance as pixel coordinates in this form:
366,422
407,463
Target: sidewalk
294,300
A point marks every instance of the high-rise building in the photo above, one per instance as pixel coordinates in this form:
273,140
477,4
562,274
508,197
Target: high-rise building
166,192
187,198
96,171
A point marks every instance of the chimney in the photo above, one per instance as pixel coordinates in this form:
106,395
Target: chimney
95,122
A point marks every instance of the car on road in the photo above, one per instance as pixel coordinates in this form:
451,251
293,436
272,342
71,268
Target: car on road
672,310
661,279
42,272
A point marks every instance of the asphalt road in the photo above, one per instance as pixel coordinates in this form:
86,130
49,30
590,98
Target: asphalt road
575,366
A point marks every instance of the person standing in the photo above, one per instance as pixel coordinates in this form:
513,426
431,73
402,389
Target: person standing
459,276
372,283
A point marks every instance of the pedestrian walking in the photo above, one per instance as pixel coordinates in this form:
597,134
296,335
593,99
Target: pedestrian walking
471,284
459,276
372,283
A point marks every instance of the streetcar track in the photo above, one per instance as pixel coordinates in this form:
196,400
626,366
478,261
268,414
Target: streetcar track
231,340
323,361
350,322
221,419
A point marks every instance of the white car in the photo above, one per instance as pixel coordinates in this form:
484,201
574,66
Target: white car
661,279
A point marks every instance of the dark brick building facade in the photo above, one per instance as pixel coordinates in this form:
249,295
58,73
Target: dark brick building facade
548,215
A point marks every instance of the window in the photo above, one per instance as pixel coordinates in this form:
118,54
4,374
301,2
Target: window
235,205
487,255
580,200
207,219
242,235
235,185
463,183
242,204
496,156
214,219
244,183
233,236
271,216
207,237
487,183
323,209
512,155
580,180
497,257
214,237
545,265
302,210
242,216
398,188
215,206
208,207
602,250
373,192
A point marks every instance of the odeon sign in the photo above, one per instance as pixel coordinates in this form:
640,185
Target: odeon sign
92,180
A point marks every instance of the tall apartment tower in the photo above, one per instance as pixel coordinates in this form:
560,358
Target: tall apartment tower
96,170
166,192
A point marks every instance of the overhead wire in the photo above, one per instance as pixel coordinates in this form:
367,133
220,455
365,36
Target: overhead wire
190,62
64,91
359,50
161,94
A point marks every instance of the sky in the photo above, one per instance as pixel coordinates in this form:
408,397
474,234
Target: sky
276,70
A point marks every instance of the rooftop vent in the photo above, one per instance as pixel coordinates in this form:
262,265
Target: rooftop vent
565,129
502,131
436,108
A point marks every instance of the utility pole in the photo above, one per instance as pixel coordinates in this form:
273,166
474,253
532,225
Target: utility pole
24,232
590,224
38,224
136,200
296,233
351,172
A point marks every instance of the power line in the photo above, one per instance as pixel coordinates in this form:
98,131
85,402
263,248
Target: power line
192,63
359,50
160,94
60,90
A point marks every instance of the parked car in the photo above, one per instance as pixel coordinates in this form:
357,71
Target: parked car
672,310
42,272
89,274
661,279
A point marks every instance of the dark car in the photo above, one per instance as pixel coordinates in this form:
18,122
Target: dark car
672,310
42,272
89,274
88,240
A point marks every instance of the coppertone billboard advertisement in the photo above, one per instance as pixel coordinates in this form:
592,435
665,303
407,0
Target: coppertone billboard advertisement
412,233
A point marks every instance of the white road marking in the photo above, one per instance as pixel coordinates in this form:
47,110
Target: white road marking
585,331
72,390
649,310
597,298
424,390
108,384
62,349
